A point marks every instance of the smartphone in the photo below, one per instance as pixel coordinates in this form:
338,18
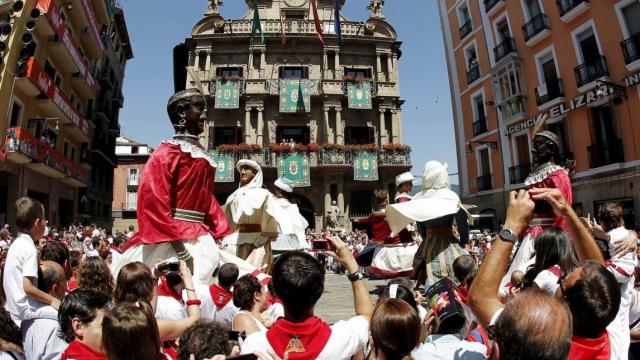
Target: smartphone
321,245
169,267
244,357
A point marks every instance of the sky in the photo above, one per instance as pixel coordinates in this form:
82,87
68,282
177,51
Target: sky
156,27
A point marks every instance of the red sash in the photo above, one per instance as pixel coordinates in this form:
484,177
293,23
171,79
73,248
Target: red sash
555,270
617,268
590,349
304,340
115,248
165,290
220,295
79,351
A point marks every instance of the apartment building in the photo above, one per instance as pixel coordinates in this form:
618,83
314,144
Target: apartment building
575,63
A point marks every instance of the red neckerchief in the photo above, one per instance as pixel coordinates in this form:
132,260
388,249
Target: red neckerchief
271,300
79,351
72,285
590,349
304,340
220,295
621,271
165,290
464,293
555,270
115,248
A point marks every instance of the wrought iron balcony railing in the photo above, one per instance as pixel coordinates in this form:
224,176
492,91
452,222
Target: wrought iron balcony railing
535,26
591,71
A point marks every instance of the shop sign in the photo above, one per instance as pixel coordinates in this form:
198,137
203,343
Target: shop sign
564,108
632,80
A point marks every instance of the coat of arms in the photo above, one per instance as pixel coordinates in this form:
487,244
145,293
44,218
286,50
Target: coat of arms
293,168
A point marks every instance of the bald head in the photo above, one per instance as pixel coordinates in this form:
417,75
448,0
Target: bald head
53,279
526,331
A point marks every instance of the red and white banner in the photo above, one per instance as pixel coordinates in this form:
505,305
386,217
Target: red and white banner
45,84
52,13
91,19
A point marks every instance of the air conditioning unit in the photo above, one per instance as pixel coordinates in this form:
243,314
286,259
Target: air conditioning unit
542,90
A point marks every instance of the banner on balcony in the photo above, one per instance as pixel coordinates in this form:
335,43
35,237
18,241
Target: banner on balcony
227,94
359,95
295,167
225,167
365,167
294,96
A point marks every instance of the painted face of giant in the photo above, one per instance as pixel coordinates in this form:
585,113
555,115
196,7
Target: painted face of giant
247,173
543,150
196,115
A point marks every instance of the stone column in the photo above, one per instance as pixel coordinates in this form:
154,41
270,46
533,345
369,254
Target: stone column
260,128
395,66
337,71
263,60
340,201
339,127
383,128
389,67
327,198
379,65
327,128
207,63
250,64
247,125
394,126
399,120
325,63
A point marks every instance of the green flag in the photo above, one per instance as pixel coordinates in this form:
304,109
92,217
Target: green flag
294,96
359,95
227,94
225,170
257,27
295,167
365,167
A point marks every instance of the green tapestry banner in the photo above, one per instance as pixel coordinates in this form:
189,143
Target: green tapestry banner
365,167
290,99
225,167
359,95
227,94
295,167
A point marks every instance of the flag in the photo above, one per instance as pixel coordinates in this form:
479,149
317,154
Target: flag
257,27
282,30
316,20
336,22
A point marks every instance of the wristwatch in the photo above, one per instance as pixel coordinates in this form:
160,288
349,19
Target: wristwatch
507,235
355,276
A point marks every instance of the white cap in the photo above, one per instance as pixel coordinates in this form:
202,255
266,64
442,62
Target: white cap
284,184
403,178
248,162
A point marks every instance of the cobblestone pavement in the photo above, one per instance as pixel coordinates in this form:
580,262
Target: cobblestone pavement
337,301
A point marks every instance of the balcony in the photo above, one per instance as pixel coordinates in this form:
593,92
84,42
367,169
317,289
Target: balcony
133,180
24,148
519,173
602,154
484,182
571,9
536,29
479,126
466,29
53,102
505,48
90,33
551,90
473,74
492,6
513,109
592,71
631,49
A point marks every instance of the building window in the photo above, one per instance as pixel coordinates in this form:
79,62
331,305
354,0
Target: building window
519,173
294,15
65,149
479,116
532,8
550,87
229,72
473,67
294,72
16,113
502,30
135,150
225,135
299,134
464,20
357,73
630,15
355,135
361,204
559,129
73,154
508,87
606,146
484,180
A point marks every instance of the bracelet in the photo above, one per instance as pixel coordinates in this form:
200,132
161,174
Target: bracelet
186,288
193,302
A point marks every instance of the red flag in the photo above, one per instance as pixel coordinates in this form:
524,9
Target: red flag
316,20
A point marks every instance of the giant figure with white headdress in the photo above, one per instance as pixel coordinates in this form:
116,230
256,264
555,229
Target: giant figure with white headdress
435,209
255,216
296,240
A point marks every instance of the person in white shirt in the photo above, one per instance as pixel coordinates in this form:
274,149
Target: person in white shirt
298,281
21,266
217,304
554,256
170,305
40,334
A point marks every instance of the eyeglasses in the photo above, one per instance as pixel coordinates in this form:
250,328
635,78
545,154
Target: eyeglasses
561,283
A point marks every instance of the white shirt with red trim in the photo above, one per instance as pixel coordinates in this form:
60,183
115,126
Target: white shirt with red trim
347,338
169,308
210,312
547,280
